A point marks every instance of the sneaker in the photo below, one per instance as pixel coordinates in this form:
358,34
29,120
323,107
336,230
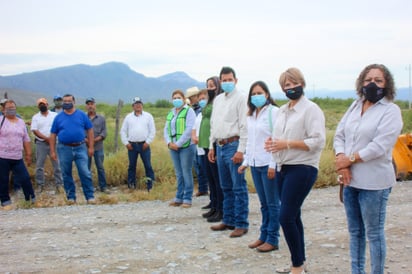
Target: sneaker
91,201
131,186
71,202
149,185
105,190
7,207
184,205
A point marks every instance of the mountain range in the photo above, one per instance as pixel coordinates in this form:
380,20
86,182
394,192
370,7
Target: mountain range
112,81
107,82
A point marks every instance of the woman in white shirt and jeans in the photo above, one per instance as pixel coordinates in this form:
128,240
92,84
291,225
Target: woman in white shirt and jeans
260,120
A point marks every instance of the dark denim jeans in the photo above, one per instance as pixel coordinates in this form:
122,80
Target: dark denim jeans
146,159
268,193
20,176
79,155
295,183
183,162
99,160
216,193
200,168
366,213
234,187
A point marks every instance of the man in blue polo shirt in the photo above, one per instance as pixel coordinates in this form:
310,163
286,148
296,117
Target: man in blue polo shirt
71,127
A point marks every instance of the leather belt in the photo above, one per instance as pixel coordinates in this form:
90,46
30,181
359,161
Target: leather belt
138,143
74,144
225,141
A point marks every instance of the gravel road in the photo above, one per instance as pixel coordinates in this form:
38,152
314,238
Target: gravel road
151,237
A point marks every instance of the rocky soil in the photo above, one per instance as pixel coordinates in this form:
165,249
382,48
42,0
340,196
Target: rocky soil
151,237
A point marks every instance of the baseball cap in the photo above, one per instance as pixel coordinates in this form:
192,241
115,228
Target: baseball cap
137,100
57,96
42,101
2,101
90,99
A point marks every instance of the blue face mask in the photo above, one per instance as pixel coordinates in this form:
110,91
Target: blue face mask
67,106
177,103
258,100
228,86
203,103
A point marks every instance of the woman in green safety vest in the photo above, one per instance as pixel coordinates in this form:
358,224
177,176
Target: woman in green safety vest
177,134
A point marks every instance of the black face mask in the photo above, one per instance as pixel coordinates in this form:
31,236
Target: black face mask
211,93
67,106
43,108
373,93
294,93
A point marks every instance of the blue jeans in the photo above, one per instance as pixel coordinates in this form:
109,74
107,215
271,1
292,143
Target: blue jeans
268,193
295,183
42,151
216,193
98,160
234,187
366,212
20,176
200,168
183,162
79,155
133,156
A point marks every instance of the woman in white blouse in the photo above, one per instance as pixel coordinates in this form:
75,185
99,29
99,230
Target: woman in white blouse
260,120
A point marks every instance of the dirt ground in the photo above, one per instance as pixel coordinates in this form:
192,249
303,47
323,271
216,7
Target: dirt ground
151,237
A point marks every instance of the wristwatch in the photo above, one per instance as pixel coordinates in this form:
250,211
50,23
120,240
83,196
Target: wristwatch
352,158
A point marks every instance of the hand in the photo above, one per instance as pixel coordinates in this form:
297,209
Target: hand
342,161
129,146
241,169
211,156
195,140
237,158
278,144
28,159
53,155
145,146
90,151
173,146
344,176
268,144
271,173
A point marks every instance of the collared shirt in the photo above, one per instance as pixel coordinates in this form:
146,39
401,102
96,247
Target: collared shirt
187,134
138,128
259,129
43,123
305,121
12,137
229,118
99,129
373,136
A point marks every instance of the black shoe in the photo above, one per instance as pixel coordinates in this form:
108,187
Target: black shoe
209,213
209,206
217,217
149,185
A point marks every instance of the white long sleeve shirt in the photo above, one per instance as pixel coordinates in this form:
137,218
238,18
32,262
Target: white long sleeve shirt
139,128
229,118
260,128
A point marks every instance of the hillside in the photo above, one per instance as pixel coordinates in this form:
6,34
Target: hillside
107,82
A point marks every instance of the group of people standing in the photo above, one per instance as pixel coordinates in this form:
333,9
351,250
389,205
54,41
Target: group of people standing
281,145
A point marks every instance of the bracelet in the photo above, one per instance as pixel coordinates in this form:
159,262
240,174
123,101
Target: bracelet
287,144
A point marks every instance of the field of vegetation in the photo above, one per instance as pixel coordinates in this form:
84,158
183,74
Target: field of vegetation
116,161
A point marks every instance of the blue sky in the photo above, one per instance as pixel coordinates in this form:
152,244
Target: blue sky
330,41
